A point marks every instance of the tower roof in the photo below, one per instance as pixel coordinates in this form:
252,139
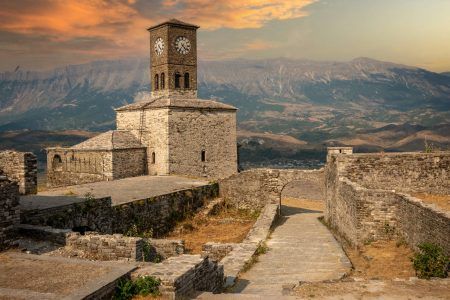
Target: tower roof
174,22
164,102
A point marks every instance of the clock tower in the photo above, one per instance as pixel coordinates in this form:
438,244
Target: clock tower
173,59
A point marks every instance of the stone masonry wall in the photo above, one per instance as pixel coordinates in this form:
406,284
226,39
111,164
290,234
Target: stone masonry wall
129,163
151,128
67,166
193,131
9,211
107,247
253,189
362,213
158,214
183,276
20,167
405,172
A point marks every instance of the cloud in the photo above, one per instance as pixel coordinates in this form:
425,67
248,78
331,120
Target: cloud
117,27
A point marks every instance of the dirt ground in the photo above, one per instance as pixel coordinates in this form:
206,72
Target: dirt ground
376,289
441,201
43,276
227,226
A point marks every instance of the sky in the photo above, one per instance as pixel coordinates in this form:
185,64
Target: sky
44,34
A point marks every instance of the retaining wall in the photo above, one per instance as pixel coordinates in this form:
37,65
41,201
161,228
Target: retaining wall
158,214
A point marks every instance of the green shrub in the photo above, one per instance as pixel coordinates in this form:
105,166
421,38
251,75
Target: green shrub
430,261
143,286
125,290
147,285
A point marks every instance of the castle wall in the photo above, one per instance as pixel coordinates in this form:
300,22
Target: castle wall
406,172
20,167
366,207
67,166
9,211
193,131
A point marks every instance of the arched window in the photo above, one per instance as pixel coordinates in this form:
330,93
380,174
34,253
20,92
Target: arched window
186,80
203,155
57,164
153,158
177,80
156,81
163,81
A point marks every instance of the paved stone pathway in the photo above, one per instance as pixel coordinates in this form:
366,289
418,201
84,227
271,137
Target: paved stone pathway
300,249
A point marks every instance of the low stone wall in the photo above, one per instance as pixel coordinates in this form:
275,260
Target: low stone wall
185,275
217,251
233,257
20,167
44,233
94,214
161,213
163,248
107,247
253,189
158,214
9,211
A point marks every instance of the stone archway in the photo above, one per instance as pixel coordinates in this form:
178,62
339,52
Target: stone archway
303,194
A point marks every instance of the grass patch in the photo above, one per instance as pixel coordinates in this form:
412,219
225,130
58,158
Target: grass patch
262,249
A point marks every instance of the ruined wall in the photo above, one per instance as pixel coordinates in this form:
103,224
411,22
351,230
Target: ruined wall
20,167
107,247
406,172
193,131
253,189
67,166
182,276
9,211
129,163
151,127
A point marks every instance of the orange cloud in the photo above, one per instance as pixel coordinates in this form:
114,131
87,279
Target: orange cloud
118,26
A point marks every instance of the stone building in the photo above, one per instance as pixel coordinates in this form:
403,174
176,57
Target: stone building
167,131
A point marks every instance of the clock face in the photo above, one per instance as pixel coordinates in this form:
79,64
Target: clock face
183,45
159,46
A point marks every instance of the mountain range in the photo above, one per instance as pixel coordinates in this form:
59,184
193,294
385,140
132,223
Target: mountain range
284,103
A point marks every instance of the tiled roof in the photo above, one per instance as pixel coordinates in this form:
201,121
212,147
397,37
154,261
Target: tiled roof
177,102
110,140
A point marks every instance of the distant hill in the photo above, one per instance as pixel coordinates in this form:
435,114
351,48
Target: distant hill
312,102
446,73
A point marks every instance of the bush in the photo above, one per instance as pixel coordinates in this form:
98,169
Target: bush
143,286
430,261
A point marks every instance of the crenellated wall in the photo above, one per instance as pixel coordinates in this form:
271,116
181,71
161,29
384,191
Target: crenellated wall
20,167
